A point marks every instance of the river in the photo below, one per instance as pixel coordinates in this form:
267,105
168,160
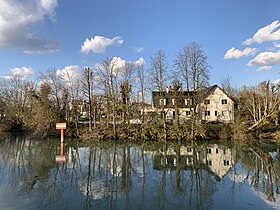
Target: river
147,175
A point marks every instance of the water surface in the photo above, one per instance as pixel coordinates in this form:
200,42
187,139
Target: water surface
138,176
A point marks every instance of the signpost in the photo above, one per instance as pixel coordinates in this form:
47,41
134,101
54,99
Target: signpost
62,127
61,158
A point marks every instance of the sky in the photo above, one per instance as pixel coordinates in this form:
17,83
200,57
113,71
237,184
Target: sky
241,38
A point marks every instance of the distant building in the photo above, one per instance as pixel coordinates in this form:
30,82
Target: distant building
81,107
212,104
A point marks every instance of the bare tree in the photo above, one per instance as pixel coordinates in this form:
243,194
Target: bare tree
57,86
226,85
87,86
126,89
159,70
108,75
159,78
15,95
141,78
192,66
261,102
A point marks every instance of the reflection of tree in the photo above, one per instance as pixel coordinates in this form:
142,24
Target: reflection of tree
126,182
182,168
264,170
110,175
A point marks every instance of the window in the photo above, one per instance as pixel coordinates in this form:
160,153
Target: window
224,101
216,113
209,162
209,151
162,101
188,102
217,151
226,162
207,101
207,113
188,113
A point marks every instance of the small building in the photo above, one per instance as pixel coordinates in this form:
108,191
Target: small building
211,104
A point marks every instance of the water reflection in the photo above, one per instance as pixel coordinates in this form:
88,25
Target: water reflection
147,176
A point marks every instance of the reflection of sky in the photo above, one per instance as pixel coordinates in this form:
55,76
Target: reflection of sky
243,179
71,185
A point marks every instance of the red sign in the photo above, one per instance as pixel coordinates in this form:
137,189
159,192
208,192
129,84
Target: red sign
60,125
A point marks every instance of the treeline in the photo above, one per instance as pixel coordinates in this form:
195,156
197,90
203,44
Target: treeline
106,99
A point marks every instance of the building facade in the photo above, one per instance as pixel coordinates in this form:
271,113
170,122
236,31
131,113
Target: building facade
211,104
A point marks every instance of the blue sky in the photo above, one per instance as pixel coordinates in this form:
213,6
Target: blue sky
241,38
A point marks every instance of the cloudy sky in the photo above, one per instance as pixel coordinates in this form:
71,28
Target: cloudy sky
241,38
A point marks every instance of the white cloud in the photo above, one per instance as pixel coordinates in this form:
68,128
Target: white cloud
140,62
236,54
276,82
138,49
117,64
70,73
265,59
21,72
98,44
264,68
270,32
17,18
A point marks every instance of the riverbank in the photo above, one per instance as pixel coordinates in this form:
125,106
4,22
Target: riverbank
158,132
204,132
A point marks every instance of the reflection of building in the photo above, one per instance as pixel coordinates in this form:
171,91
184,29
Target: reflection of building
219,159
215,158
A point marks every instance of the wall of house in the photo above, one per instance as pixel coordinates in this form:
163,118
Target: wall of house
219,109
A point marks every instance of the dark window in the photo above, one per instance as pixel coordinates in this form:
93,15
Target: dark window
207,113
217,151
224,101
188,113
207,101
226,162
209,162
209,151
216,113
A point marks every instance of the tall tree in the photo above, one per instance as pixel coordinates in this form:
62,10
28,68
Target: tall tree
87,86
108,75
192,66
159,78
159,70
141,79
